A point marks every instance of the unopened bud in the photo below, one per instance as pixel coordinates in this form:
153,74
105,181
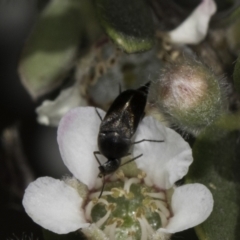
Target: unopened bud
189,95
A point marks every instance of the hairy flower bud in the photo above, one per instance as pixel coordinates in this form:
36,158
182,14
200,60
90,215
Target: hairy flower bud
189,95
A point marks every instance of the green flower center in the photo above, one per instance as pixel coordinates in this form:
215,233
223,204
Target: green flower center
128,209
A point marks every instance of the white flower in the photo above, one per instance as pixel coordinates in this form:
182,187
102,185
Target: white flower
194,29
57,205
50,112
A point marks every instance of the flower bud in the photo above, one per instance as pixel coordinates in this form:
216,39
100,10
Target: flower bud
189,95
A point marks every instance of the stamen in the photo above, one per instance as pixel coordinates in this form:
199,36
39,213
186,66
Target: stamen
141,175
112,231
102,220
158,195
129,182
91,204
117,192
88,210
106,230
164,220
118,199
143,229
149,228
129,195
104,201
119,221
131,233
139,212
161,207
148,181
111,207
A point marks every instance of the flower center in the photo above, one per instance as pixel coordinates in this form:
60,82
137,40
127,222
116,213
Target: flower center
128,209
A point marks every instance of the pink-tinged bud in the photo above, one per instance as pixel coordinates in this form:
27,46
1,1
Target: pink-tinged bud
189,95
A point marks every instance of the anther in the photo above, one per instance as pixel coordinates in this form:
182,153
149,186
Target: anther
139,212
146,201
129,195
141,175
111,207
117,192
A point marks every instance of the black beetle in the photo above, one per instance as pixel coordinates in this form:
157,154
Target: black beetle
118,126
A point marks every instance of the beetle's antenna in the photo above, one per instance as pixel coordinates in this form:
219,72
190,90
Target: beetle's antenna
95,154
147,140
98,114
145,88
102,186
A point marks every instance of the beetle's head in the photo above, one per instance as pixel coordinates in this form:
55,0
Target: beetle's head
109,167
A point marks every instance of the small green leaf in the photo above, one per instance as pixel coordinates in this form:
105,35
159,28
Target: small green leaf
70,236
128,23
217,166
52,47
229,122
236,75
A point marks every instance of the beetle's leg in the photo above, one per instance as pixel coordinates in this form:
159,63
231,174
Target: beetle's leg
98,114
102,176
102,187
95,154
132,159
147,140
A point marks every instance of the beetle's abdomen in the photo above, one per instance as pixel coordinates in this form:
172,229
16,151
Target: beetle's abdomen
125,113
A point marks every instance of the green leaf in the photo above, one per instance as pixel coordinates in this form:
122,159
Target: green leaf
217,166
51,49
236,75
128,23
70,236
229,122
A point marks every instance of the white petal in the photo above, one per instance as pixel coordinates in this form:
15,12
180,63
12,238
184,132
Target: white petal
191,205
54,205
194,29
77,140
50,112
165,162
